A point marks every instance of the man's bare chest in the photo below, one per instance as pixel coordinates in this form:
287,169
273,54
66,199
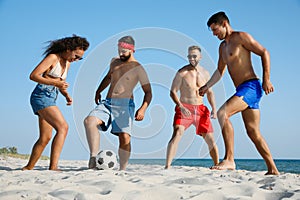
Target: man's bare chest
193,80
124,74
231,51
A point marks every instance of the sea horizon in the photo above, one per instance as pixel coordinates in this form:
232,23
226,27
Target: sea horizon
250,164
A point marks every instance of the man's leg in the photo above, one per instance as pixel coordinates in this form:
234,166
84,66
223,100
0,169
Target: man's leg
232,106
124,149
212,147
251,119
173,144
91,124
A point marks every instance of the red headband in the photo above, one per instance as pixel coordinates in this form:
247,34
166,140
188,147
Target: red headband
126,46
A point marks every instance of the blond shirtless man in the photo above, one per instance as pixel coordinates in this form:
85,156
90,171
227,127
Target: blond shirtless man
189,107
118,108
235,54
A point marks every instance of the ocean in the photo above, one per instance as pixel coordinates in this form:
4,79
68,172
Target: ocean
283,165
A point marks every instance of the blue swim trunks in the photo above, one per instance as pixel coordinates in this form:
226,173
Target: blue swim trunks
116,112
251,91
42,97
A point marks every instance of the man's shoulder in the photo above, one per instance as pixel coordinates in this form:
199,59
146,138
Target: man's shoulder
134,64
235,37
117,61
137,63
184,68
203,69
239,35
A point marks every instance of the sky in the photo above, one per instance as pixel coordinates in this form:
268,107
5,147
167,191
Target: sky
163,30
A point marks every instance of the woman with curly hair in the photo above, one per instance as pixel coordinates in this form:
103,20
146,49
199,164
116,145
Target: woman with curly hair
50,74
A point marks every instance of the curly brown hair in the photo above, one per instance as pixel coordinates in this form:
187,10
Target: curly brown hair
67,43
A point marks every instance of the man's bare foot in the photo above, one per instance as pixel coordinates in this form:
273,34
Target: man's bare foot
56,169
224,165
272,172
26,168
92,162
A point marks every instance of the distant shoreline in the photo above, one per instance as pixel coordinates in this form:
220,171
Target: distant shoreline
21,156
283,165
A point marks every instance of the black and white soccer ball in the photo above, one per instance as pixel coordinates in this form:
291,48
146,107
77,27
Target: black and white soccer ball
106,159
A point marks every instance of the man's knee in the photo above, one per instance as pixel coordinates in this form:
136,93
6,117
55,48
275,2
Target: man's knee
209,138
124,138
221,114
90,121
254,134
124,141
178,130
223,117
177,134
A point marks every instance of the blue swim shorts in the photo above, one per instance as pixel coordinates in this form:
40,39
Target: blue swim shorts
42,97
116,112
251,91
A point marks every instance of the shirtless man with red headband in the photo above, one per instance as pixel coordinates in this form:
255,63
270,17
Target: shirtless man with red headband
118,108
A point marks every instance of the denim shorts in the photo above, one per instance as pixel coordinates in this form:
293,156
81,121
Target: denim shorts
42,97
116,112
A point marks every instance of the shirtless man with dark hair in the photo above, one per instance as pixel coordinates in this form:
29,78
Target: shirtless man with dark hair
235,54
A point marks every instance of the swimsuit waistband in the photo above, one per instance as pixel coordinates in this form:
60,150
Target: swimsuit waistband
119,101
187,104
249,80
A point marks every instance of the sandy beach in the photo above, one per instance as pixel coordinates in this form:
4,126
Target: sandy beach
140,182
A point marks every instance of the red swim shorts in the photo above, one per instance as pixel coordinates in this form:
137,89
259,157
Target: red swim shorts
200,117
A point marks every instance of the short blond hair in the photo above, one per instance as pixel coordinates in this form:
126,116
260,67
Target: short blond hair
194,47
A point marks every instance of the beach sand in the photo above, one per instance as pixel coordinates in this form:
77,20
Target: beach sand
140,182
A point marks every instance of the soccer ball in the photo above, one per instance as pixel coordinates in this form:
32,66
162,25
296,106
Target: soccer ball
106,159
